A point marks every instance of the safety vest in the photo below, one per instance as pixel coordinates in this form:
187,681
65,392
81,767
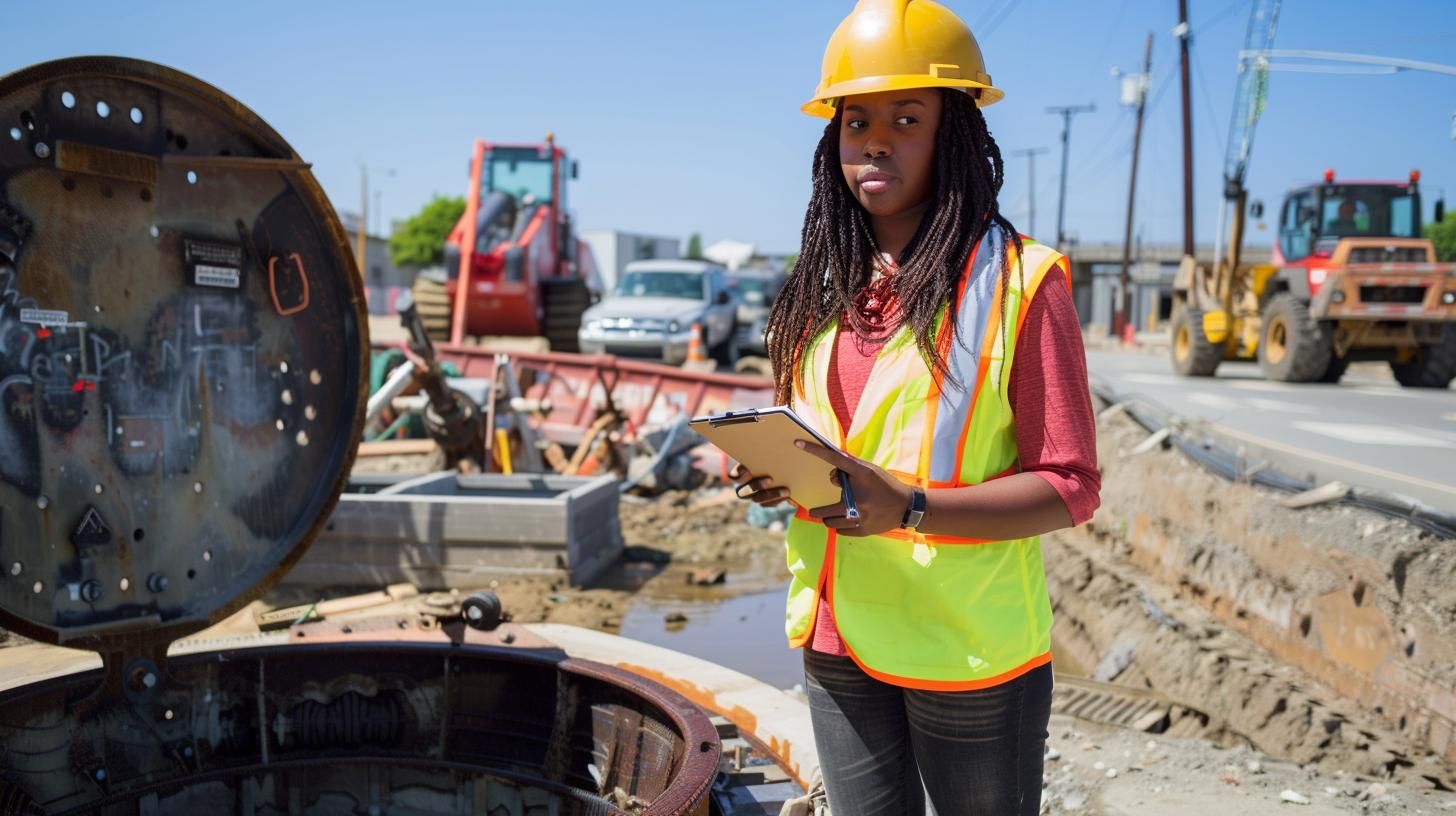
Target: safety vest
931,611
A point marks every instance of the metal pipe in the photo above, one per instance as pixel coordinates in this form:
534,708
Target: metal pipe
398,380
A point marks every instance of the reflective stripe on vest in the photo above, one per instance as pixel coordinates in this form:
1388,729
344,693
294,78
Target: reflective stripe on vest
931,611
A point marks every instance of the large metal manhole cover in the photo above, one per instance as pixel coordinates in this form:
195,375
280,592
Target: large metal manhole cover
181,348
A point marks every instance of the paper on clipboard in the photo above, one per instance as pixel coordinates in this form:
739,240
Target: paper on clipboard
763,441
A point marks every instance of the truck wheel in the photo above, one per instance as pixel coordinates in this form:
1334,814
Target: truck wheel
1193,354
432,302
1295,347
1432,366
1335,370
754,367
564,303
725,354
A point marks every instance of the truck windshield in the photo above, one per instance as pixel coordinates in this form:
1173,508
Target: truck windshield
1357,210
668,283
755,290
520,172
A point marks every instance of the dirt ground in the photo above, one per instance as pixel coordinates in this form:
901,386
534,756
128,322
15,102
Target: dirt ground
1097,769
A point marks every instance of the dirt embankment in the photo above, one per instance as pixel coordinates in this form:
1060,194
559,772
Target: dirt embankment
1099,770
1325,635
668,538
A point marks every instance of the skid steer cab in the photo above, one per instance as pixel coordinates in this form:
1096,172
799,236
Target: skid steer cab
1350,280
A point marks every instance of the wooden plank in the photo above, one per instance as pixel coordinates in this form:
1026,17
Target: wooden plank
396,447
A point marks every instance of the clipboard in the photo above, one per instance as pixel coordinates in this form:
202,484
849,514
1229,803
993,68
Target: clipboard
762,439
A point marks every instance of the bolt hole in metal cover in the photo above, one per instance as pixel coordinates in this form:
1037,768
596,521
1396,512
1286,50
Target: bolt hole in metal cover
177,383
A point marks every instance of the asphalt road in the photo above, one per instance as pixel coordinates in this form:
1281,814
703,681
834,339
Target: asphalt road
1367,431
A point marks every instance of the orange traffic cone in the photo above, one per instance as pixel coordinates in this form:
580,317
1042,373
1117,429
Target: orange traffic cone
696,359
1129,334
695,345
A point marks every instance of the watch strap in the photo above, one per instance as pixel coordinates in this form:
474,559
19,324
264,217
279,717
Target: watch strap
915,511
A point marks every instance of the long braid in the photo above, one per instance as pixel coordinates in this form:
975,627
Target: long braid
838,252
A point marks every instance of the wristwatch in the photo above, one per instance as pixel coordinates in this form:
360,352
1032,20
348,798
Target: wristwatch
916,511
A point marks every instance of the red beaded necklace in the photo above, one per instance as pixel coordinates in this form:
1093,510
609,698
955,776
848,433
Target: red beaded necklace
876,308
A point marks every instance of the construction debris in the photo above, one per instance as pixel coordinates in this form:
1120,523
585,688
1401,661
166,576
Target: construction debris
1324,494
706,577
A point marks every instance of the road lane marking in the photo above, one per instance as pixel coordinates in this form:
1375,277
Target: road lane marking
1363,434
1278,407
1215,401
1332,460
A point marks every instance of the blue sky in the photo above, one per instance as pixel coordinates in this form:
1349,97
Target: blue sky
684,114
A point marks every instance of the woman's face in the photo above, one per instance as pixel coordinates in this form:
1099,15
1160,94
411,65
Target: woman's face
887,148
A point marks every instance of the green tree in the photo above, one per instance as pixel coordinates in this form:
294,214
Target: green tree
695,247
789,263
1443,235
420,241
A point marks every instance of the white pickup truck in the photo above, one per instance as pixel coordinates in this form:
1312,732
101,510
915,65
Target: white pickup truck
654,308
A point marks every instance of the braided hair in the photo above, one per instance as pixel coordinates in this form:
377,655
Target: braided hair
838,253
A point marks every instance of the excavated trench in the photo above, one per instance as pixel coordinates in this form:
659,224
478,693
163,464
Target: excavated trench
1325,635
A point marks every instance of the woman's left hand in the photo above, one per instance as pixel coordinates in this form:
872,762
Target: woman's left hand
880,497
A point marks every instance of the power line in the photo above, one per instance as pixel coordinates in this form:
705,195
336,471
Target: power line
1222,15
1208,101
1102,54
995,24
986,17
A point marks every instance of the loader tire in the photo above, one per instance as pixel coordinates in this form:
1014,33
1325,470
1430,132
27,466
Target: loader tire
432,302
1335,370
564,302
1193,354
1294,346
1433,366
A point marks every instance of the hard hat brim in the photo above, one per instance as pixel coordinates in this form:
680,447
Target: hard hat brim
821,105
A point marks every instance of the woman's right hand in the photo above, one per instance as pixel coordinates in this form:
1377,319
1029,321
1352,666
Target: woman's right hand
757,488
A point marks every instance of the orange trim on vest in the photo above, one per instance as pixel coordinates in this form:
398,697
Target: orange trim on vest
819,591
949,685
1029,294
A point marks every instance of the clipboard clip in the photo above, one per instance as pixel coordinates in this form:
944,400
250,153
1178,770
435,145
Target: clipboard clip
733,418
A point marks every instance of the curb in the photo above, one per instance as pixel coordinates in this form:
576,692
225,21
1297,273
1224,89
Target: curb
1230,463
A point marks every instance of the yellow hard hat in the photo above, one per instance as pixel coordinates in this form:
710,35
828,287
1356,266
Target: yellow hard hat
890,45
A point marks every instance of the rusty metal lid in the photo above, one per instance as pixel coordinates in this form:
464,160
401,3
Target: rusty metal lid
182,354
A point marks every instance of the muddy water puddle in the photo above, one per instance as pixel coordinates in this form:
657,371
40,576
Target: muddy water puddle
744,632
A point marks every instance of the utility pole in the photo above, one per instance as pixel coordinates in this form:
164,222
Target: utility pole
1066,112
1183,37
1030,154
363,218
1124,312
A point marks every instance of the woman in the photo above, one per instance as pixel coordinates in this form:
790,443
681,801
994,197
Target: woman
942,351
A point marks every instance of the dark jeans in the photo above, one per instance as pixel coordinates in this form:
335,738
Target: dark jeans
978,753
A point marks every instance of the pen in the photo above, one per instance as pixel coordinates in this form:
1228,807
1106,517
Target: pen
851,510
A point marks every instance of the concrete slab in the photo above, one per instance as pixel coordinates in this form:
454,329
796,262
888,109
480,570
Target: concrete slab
445,530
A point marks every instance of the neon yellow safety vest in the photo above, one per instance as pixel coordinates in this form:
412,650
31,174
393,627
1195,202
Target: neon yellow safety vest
930,611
